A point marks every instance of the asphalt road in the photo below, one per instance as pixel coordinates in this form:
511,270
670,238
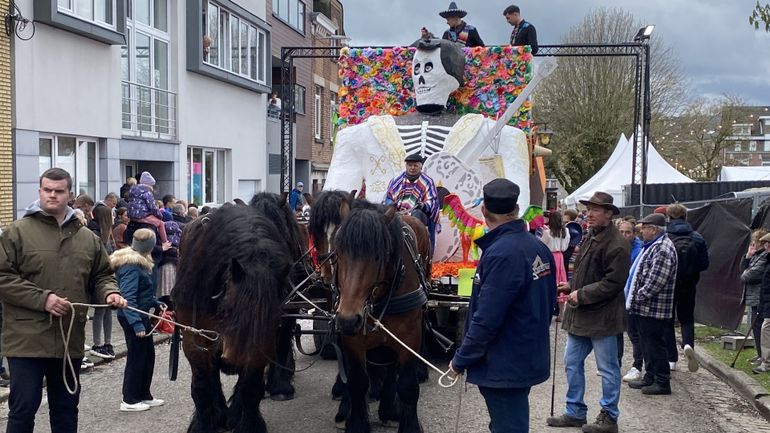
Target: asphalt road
700,403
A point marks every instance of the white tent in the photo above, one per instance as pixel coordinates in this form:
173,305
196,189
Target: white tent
744,173
616,172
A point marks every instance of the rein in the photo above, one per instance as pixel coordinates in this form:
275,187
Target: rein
67,361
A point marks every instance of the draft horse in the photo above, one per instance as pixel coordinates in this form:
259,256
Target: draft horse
377,276
232,277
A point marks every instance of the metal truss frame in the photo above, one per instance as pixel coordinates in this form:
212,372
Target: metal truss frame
642,109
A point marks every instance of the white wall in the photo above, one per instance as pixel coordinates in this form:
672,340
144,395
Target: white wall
219,115
66,83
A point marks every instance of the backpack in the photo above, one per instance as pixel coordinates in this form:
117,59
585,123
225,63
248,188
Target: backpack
687,257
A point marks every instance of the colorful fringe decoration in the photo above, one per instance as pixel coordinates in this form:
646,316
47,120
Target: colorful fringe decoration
470,227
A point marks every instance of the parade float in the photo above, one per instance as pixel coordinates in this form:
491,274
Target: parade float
465,110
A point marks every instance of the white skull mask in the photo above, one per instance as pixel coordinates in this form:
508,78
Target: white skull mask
432,83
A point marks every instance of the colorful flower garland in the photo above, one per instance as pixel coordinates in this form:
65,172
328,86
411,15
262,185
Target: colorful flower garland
378,81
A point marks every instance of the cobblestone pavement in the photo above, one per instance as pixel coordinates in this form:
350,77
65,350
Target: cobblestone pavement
700,404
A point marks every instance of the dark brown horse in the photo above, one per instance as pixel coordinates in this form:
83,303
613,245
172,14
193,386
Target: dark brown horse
233,276
376,277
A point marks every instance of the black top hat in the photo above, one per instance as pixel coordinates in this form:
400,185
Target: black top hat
602,199
453,11
415,157
500,196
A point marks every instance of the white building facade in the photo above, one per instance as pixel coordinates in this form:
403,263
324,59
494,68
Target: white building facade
107,89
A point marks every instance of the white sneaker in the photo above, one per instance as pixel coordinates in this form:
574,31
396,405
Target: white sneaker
672,366
633,374
136,407
86,363
155,402
692,363
86,347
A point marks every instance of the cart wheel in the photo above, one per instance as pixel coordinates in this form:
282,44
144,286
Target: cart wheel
327,352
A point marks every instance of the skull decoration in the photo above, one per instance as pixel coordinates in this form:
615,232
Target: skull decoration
433,83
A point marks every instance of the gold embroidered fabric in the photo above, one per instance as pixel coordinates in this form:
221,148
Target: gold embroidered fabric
463,132
386,132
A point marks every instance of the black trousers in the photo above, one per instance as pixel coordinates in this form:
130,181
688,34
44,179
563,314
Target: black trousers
27,391
633,335
684,309
654,349
508,409
140,363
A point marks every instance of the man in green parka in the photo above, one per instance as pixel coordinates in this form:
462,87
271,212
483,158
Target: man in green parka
47,260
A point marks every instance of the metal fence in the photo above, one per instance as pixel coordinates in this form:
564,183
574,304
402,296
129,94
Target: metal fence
149,112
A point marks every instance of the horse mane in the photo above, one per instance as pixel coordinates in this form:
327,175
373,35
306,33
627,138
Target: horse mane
326,212
366,235
211,243
274,208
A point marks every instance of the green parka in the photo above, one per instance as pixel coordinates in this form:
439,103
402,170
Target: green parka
37,258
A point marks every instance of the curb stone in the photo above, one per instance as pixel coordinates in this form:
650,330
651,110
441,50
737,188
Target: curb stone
741,382
121,353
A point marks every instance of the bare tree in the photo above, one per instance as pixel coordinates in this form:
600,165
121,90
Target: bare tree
589,101
695,140
760,14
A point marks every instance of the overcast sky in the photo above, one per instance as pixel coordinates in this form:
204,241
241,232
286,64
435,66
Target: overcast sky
718,49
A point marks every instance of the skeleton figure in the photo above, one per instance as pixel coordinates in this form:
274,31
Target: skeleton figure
374,150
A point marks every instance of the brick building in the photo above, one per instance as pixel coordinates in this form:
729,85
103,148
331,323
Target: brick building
6,138
327,31
750,139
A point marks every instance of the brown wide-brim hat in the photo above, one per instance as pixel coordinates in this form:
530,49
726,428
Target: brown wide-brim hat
453,11
602,199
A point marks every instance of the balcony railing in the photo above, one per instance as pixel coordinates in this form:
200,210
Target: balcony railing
149,112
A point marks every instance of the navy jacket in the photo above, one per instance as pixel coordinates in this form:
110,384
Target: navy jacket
134,274
506,342
680,227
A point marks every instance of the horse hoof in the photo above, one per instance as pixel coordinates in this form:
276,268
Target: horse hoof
340,425
389,424
282,397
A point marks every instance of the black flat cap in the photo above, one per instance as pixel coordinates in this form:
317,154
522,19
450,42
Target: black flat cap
415,157
654,219
500,196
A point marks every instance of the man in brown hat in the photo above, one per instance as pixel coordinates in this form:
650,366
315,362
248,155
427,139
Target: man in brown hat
594,316
459,31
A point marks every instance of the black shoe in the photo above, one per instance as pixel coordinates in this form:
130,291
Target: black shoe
639,384
4,383
5,375
565,421
603,424
657,389
109,349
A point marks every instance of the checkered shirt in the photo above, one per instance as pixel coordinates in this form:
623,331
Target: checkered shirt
654,280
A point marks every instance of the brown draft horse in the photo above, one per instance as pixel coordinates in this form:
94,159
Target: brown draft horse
376,276
233,276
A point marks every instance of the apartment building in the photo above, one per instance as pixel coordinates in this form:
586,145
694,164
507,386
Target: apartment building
110,88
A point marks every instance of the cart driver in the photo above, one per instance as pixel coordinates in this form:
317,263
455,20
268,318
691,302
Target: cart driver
414,193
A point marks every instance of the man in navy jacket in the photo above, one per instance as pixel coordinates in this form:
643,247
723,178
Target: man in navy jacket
506,345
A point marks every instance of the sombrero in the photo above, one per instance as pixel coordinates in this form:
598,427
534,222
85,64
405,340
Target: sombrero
453,11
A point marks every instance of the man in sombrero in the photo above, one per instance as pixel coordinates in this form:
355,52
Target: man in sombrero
459,31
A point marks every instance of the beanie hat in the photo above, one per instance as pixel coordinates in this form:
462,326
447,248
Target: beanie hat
143,246
147,179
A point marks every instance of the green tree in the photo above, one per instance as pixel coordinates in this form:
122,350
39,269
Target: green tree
589,101
760,14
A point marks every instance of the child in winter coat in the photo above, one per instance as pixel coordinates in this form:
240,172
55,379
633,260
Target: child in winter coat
133,269
142,206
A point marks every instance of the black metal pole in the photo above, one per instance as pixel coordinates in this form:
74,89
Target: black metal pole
645,124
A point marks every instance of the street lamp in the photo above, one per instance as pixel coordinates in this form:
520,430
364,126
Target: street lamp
644,33
544,135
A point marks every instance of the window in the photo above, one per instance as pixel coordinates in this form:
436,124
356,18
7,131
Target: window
752,146
332,114
101,12
236,45
292,12
738,146
318,113
299,99
76,155
767,146
149,109
206,175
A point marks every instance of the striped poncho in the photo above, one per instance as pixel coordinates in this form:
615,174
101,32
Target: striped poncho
405,194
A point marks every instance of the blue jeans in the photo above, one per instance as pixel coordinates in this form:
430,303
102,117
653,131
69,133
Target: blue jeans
606,353
508,409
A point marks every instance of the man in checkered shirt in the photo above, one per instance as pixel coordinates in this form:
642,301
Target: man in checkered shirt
650,299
